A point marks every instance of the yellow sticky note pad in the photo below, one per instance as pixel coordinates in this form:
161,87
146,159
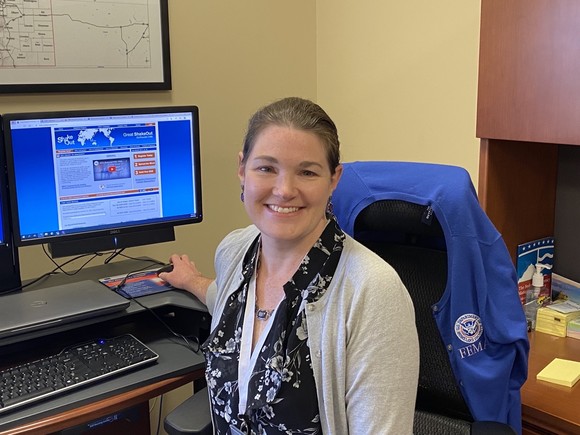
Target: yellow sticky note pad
561,371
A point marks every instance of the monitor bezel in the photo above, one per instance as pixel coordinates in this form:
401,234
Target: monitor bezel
113,237
10,271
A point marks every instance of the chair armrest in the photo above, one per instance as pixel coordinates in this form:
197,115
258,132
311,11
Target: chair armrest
193,416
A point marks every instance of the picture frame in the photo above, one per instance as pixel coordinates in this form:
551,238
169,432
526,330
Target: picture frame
62,46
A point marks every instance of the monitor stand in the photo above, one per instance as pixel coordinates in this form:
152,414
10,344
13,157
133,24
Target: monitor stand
111,242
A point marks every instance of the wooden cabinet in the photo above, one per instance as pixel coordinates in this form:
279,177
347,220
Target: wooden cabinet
528,108
528,104
529,71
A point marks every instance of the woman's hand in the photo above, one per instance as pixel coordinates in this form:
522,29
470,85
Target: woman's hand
185,276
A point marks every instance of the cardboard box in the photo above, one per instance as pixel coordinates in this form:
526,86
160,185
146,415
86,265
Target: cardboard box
573,328
565,289
553,322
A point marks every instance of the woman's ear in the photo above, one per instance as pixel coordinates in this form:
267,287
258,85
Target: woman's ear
335,178
241,167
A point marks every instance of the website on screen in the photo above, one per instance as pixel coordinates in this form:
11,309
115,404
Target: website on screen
106,174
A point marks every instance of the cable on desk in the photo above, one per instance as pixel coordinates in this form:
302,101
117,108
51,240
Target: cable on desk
194,347
59,267
128,275
114,254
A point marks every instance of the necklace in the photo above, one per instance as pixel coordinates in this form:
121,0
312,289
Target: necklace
262,314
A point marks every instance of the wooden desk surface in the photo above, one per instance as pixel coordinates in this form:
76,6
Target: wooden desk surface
547,407
102,408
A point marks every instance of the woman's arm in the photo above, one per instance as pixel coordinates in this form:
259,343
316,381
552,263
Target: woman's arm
382,356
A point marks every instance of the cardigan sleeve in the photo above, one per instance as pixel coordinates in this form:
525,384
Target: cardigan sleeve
382,359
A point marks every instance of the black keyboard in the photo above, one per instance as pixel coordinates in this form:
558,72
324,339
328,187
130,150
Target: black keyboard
73,367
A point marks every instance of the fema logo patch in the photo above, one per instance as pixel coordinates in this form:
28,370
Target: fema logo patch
468,328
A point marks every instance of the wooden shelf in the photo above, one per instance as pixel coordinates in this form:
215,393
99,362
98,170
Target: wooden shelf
512,181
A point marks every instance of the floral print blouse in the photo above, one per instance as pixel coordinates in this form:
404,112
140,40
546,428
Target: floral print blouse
278,393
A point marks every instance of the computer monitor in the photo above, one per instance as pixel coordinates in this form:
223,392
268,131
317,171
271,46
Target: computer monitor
9,265
96,180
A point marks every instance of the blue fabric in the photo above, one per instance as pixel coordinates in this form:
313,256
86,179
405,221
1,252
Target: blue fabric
480,317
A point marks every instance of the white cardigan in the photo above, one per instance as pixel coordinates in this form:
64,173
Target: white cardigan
361,334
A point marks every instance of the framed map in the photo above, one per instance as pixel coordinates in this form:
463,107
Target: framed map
84,45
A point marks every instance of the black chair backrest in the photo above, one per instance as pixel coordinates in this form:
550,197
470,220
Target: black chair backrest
397,231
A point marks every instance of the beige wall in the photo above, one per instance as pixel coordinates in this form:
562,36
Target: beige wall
399,78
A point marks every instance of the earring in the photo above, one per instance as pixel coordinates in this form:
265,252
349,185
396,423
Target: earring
242,194
329,207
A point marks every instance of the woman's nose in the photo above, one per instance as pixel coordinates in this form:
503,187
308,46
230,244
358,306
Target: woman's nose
285,186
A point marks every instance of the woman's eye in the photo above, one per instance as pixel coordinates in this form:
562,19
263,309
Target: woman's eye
309,173
265,169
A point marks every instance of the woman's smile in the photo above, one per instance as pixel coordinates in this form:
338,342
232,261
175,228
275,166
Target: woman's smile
283,210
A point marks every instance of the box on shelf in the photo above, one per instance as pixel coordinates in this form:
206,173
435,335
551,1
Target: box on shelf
553,322
565,289
573,328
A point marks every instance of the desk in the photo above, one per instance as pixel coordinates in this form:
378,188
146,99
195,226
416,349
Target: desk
549,408
176,366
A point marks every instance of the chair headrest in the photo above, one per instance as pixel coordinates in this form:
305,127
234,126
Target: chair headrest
397,220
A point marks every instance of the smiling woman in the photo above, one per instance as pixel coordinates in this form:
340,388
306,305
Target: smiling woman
286,196
297,304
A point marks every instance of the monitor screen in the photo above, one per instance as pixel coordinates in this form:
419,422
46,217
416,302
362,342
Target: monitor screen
88,181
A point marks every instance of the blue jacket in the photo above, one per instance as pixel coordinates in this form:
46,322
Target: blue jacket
480,316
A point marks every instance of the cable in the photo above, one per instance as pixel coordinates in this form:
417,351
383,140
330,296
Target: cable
195,347
58,267
93,256
113,255
159,414
128,275
153,405
152,260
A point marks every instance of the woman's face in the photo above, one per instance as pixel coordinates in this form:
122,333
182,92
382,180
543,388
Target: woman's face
287,183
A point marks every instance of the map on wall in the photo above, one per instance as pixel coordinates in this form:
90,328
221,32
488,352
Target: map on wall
83,42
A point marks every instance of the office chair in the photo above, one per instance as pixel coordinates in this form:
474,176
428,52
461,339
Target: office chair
394,231
418,217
